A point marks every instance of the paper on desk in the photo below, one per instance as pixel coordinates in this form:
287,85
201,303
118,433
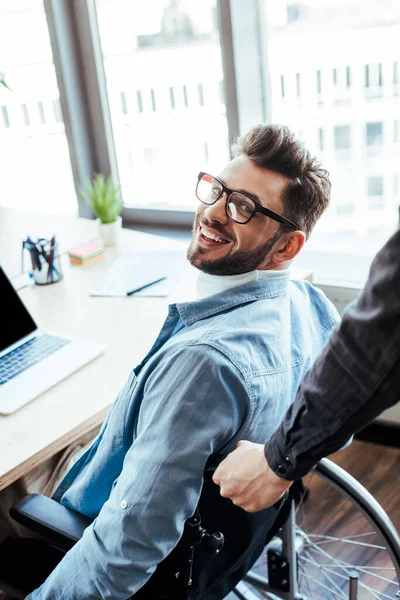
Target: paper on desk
135,269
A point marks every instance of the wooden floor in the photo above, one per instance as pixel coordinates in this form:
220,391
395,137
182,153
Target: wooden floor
378,469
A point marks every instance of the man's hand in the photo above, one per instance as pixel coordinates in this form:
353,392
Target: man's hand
244,476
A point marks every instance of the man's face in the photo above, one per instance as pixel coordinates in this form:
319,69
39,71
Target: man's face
239,248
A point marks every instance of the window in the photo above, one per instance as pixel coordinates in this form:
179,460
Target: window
319,82
35,169
341,83
185,97
57,112
298,90
292,12
374,133
124,107
348,108
396,129
321,139
173,107
4,114
396,75
375,192
373,80
25,114
342,137
348,77
172,98
153,100
375,186
200,90
139,101
171,52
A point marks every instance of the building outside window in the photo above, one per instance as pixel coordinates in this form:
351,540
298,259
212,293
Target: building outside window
374,133
35,165
342,137
320,139
346,55
172,54
375,186
396,77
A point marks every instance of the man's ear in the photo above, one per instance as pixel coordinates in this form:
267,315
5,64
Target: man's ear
289,247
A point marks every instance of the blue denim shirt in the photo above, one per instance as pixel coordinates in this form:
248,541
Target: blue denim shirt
222,369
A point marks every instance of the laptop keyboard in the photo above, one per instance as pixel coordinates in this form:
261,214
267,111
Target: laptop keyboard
27,355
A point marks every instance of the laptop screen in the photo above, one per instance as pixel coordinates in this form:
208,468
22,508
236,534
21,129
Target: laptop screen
15,321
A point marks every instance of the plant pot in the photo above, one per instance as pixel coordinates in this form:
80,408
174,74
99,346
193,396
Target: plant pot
109,231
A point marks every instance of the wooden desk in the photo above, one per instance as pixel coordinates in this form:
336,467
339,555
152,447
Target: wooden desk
127,326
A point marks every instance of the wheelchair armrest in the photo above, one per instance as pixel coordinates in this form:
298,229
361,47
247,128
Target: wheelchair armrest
59,524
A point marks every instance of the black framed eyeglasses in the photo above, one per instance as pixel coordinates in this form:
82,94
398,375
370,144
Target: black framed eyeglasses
239,207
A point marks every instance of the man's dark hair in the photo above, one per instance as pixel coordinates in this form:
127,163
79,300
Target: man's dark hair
275,147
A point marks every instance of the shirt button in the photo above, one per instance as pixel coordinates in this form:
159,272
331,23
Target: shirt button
123,504
283,469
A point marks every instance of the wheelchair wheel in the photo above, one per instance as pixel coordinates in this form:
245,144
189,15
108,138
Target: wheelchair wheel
338,543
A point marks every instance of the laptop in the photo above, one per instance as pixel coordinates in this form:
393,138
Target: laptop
31,360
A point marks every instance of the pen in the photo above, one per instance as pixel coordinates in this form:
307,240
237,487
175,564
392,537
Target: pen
146,285
51,259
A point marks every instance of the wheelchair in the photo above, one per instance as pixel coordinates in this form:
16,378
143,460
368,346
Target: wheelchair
354,554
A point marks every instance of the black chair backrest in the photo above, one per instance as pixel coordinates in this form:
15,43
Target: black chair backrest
245,534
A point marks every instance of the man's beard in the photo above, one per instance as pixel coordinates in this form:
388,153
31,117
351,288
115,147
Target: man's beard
231,264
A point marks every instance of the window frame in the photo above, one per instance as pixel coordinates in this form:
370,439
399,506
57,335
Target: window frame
78,60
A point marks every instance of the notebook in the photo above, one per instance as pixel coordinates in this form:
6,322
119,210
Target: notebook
134,270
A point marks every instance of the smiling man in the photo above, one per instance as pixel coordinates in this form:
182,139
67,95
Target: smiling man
220,248
224,367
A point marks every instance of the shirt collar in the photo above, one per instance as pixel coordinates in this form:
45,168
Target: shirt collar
213,284
266,287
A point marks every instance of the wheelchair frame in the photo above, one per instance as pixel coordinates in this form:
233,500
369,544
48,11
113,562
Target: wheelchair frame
285,582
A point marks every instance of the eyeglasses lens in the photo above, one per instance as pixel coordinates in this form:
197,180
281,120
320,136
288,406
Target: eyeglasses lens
239,208
208,189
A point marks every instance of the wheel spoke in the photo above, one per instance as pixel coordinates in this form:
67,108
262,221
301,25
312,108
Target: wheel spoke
347,571
331,581
318,583
360,568
329,538
373,592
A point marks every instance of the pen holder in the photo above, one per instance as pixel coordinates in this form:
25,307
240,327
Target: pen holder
45,260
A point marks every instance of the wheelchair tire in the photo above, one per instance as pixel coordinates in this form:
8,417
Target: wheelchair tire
320,555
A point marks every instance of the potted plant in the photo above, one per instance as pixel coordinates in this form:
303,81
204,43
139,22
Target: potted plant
104,198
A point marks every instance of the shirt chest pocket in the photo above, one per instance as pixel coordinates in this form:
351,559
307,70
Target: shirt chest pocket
121,419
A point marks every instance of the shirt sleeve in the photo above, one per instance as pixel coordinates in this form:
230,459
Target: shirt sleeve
355,379
194,402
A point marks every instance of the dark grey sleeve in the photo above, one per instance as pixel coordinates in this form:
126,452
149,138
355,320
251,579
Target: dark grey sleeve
355,379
